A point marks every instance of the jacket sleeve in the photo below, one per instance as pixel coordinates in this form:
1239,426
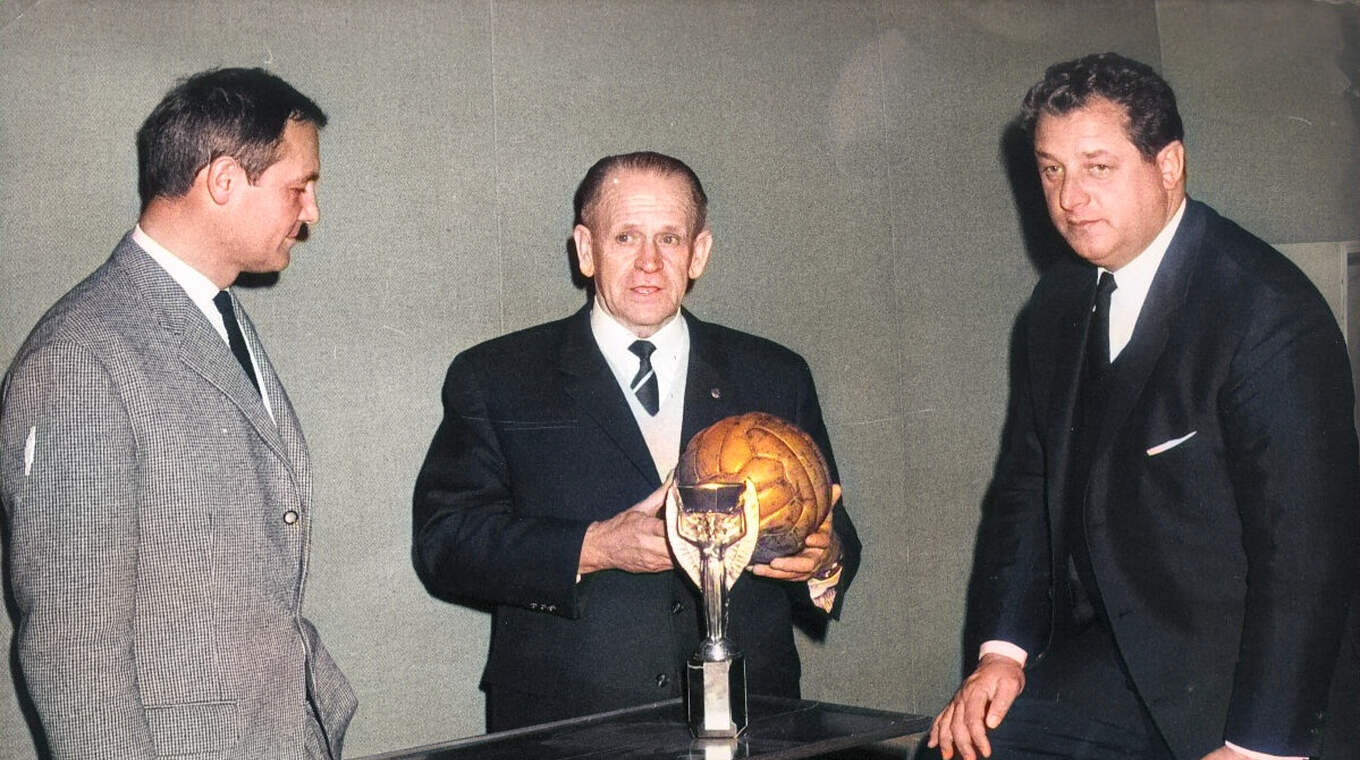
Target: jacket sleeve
1286,414
809,419
1009,595
470,542
70,468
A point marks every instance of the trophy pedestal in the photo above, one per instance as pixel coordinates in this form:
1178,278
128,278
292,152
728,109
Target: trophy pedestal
715,696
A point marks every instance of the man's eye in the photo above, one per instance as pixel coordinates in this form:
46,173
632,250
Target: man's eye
1049,171
624,237
1100,170
670,239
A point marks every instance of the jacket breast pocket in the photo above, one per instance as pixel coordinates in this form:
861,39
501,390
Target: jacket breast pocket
193,728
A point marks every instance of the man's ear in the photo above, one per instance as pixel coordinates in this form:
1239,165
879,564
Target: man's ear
222,177
1171,164
585,254
703,242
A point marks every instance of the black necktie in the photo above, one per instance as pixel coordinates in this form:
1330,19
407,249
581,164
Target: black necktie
644,382
1085,596
235,339
1098,340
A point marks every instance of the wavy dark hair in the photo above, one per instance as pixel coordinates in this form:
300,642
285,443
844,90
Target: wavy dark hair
1147,100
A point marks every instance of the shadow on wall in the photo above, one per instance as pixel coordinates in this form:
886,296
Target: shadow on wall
1043,244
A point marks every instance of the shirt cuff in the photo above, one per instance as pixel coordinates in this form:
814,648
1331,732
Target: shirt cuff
1005,648
1254,755
823,591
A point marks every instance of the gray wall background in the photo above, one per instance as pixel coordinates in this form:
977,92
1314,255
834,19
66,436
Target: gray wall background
860,203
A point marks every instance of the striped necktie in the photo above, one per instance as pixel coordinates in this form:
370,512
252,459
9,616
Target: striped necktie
644,382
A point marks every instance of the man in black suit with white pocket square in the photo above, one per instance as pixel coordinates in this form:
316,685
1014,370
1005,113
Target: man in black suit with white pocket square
1165,567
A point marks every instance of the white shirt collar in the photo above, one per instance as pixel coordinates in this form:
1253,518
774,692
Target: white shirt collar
196,284
671,341
1134,279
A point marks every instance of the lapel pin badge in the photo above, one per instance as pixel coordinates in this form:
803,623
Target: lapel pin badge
714,392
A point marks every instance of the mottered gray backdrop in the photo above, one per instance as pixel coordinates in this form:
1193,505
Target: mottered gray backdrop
868,210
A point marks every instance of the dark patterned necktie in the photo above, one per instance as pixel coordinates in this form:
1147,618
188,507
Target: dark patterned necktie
644,382
235,339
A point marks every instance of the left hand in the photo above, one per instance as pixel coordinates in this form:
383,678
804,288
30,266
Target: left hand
821,549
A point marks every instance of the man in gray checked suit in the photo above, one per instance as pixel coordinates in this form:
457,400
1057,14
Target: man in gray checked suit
156,484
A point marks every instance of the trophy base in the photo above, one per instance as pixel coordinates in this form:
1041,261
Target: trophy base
715,696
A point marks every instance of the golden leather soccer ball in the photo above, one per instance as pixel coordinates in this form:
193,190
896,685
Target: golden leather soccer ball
790,475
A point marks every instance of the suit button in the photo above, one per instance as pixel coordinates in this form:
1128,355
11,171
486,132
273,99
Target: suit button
662,680
290,517
677,608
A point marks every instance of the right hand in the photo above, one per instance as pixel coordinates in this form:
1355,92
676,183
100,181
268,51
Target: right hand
978,706
634,540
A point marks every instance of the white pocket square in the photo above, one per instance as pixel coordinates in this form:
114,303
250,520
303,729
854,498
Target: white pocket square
1171,444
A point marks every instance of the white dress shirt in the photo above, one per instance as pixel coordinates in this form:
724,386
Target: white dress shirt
1133,281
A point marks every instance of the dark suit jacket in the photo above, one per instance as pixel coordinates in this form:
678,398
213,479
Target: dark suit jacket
1225,562
538,441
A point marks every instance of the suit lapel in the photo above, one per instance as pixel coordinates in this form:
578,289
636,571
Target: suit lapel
203,350
1139,357
589,382
1069,345
708,398
199,345
285,421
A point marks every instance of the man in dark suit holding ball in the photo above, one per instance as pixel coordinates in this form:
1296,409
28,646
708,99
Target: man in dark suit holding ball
541,490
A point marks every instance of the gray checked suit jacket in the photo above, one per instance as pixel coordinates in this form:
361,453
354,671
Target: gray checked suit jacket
159,524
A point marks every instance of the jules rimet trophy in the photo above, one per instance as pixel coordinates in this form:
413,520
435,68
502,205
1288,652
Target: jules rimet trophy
748,488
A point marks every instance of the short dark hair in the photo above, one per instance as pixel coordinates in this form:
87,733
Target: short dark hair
588,192
233,112
1147,100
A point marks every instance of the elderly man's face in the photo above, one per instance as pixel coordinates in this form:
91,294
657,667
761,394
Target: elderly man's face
640,247
1107,199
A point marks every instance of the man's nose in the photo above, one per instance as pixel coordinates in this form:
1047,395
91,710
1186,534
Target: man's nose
649,258
311,210
1071,194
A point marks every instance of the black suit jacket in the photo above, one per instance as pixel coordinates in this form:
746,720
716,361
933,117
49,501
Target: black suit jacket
538,441
1225,561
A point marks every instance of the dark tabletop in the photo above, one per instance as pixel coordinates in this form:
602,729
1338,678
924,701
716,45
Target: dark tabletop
779,729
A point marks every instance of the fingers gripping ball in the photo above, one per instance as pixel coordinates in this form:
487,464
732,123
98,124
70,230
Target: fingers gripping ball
790,474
